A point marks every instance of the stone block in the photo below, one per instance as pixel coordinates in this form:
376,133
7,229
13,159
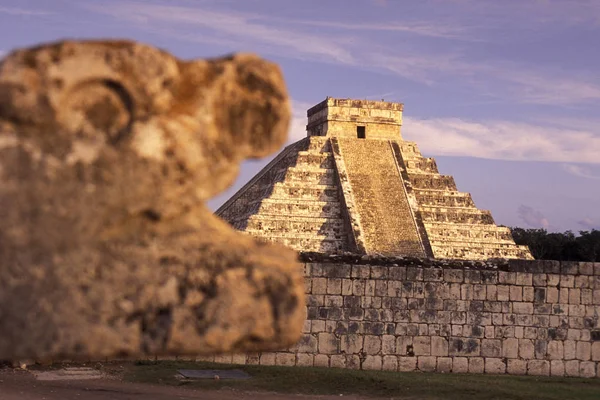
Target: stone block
516,367
337,361
510,348
464,346
390,363
372,362
352,361
522,308
538,367
427,363
476,365
572,368
351,344
557,368
587,369
334,286
516,293
407,364
285,359
347,287
494,366
453,275
372,344
439,346
555,350
526,349
304,360
321,360
528,293
460,365
267,359
328,343
503,293
444,364
524,279
422,345
307,344
388,344
552,295
319,286
491,348
596,351
583,351
361,271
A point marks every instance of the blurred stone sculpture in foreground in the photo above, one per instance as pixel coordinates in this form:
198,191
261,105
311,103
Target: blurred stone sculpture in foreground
108,151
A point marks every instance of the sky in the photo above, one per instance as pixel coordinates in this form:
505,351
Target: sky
504,94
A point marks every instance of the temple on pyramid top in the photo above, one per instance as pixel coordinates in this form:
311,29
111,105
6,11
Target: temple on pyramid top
354,185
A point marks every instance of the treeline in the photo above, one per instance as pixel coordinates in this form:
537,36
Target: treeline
560,246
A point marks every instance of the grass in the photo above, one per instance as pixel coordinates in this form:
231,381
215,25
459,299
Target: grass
331,381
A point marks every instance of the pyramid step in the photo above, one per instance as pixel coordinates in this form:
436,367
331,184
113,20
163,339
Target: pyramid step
315,192
314,176
300,208
417,165
431,181
323,160
472,216
429,198
470,234
318,144
480,252
273,223
300,242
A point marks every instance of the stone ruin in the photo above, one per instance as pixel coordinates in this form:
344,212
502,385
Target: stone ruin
354,185
108,151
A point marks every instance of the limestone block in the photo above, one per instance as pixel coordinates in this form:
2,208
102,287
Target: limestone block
460,365
372,344
596,351
510,348
390,363
444,364
557,368
407,364
108,151
372,362
427,363
587,369
285,359
267,359
304,360
321,360
516,367
572,368
338,361
328,343
538,367
439,346
494,366
476,365
583,350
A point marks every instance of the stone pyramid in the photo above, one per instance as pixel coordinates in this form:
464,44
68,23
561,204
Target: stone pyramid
354,185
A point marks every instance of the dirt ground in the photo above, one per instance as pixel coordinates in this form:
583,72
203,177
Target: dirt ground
22,385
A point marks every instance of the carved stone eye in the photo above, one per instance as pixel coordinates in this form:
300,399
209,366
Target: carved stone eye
100,107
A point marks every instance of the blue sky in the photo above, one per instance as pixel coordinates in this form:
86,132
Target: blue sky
504,94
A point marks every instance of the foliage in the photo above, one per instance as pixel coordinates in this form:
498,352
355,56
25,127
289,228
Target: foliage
560,246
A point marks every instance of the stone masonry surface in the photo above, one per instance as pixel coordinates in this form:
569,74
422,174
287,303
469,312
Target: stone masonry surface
406,314
335,192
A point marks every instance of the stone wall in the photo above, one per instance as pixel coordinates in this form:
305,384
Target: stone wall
402,314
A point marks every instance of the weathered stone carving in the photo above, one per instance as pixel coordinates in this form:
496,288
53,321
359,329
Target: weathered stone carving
107,152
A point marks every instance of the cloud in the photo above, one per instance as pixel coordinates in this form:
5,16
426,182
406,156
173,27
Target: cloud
287,37
246,29
533,218
589,224
503,140
581,171
23,12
